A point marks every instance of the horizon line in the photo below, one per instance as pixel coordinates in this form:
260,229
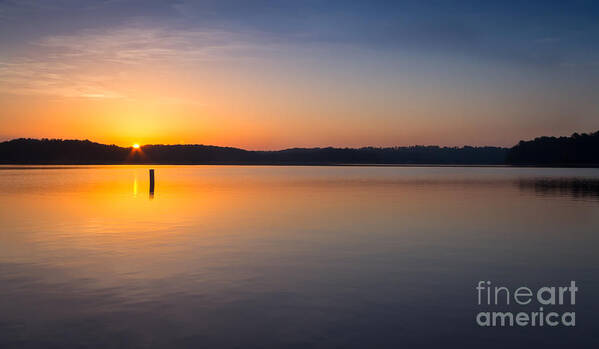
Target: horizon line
297,147
259,150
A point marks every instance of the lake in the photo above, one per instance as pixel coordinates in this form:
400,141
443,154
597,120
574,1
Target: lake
290,257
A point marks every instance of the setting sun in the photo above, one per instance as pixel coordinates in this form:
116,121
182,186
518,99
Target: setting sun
136,146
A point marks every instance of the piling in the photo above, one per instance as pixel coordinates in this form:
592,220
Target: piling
151,181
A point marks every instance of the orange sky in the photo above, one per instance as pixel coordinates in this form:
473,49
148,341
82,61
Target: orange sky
261,106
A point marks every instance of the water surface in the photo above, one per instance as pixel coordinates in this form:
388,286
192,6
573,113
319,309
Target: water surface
294,257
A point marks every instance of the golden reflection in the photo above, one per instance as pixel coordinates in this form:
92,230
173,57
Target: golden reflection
201,207
135,186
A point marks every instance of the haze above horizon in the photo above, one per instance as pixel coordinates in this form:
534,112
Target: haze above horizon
274,75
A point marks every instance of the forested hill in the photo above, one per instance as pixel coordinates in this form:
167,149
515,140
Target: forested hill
55,151
576,150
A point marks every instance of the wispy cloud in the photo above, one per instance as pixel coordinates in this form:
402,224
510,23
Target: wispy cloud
130,45
39,77
88,63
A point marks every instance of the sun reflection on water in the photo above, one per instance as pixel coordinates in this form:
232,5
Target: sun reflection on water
135,186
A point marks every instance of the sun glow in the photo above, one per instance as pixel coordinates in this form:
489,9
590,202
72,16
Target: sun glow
135,146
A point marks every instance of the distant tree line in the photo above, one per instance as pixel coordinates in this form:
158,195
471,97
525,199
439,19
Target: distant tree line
41,151
56,151
579,149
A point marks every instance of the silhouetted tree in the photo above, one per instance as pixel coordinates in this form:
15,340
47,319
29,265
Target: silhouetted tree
55,151
579,149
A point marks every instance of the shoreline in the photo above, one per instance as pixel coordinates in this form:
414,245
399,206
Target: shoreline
71,165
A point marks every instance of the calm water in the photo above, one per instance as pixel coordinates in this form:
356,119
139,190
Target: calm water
293,257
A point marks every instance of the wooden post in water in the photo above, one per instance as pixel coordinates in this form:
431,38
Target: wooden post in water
151,182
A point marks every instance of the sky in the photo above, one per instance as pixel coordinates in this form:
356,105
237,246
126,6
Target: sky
304,73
